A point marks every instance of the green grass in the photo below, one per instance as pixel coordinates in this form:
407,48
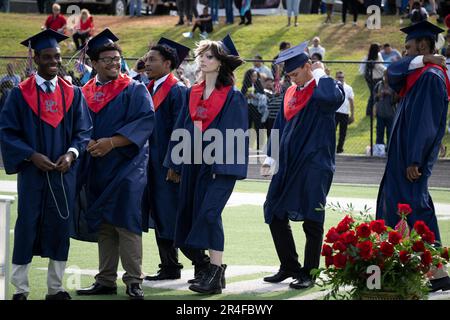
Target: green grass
247,242
342,43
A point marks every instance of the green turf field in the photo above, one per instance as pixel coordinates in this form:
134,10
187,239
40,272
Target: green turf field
247,242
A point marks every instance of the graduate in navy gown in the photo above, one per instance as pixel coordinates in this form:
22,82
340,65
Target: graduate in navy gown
161,195
44,128
303,156
416,136
209,169
122,115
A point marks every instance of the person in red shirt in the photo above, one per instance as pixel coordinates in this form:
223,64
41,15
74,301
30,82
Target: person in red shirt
56,21
84,29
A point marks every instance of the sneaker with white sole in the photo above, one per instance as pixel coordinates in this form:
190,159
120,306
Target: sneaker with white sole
188,35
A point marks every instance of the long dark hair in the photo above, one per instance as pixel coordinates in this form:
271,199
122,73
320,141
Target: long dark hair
228,62
247,83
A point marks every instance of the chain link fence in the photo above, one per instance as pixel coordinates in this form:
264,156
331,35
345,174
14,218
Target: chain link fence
361,134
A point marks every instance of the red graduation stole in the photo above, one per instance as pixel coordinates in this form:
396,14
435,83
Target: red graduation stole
52,108
295,100
97,97
415,75
203,112
162,93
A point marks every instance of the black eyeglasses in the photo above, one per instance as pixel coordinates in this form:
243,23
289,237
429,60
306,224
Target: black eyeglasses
109,60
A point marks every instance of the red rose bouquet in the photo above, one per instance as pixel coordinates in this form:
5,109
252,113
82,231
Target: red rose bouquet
368,255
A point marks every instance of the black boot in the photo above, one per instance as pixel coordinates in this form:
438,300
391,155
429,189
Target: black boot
211,283
200,274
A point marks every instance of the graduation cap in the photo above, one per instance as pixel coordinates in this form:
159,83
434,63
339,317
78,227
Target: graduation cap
44,39
422,29
182,51
229,46
294,57
103,38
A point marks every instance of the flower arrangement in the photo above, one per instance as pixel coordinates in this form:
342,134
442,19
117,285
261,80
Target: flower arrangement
404,257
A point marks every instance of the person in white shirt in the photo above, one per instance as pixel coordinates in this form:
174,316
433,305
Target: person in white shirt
316,48
373,70
262,69
345,114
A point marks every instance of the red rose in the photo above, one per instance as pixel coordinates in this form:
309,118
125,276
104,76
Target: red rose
418,246
395,237
404,208
387,249
363,230
365,249
421,227
429,237
332,235
339,245
426,258
329,261
378,226
344,225
349,238
404,256
444,253
340,260
326,250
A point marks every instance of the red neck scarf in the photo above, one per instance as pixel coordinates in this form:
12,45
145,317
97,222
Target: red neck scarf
52,107
97,97
415,75
295,100
162,93
203,112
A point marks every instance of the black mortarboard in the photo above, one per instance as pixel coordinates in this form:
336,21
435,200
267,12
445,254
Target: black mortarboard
229,46
422,29
182,51
294,57
103,38
44,39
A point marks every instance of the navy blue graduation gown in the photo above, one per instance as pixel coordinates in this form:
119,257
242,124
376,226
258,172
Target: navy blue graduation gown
417,133
306,161
40,228
161,196
116,181
206,188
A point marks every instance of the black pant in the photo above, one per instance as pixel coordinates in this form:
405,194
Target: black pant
370,102
169,256
247,15
80,39
349,4
269,125
285,245
342,122
202,26
254,118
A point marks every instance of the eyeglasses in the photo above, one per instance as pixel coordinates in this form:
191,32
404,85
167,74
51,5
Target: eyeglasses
109,60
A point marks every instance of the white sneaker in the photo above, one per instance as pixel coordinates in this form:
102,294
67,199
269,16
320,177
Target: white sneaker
188,35
215,22
204,35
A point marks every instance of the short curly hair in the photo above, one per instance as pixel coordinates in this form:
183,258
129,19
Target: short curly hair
168,53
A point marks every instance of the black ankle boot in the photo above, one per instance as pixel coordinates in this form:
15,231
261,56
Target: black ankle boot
211,283
200,274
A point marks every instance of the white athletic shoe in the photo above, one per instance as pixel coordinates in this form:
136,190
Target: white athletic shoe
188,35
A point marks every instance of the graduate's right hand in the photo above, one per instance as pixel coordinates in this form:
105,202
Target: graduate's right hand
42,162
173,176
265,170
412,173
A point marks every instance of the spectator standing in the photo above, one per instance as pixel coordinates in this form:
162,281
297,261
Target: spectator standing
10,76
56,21
373,70
353,6
244,7
292,9
279,68
84,30
329,4
316,48
180,11
214,5
385,107
390,54
229,11
135,8
345,115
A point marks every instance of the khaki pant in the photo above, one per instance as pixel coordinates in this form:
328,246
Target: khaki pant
115,242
